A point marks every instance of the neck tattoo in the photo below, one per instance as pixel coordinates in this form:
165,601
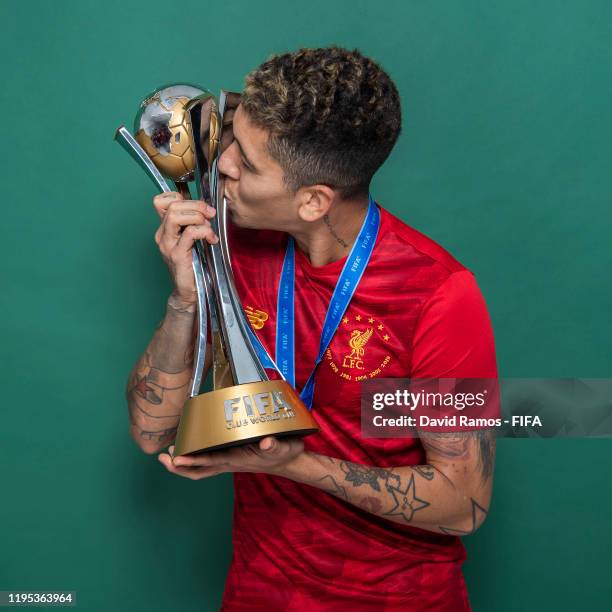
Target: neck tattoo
333,232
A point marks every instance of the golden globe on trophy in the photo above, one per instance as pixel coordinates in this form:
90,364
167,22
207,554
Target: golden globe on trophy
180,132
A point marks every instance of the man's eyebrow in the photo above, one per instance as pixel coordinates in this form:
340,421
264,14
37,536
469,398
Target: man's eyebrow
246,159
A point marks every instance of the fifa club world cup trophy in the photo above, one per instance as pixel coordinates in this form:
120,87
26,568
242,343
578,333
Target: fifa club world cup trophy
180,132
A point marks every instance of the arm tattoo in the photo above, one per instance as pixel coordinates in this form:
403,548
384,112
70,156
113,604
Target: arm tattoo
144,389
158,385
158,436
371,504
153,395
426,471
162,354
478,516
395,495
486,452
456,445
361,474
450,445
331,486
140,388
133,406
404,500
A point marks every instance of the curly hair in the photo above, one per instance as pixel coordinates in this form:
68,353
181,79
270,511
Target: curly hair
332,115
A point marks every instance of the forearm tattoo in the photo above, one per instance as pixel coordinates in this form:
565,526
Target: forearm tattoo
401,496
159,436
158,386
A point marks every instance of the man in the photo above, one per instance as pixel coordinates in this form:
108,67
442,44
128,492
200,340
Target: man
333,521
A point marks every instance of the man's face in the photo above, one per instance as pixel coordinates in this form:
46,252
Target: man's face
256,195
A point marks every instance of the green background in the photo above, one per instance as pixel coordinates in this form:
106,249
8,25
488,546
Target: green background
505,159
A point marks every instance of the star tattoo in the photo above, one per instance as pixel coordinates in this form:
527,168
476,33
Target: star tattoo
406,503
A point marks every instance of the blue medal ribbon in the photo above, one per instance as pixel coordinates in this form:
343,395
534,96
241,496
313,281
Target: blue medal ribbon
285,319
346,285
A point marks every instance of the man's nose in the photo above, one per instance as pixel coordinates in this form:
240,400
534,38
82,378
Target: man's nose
227,163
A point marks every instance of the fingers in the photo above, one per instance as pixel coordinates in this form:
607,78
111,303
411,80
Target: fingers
269,455
268,444
194,467
215,459
193,473
180,215
193,233
183,222
162,200
273,447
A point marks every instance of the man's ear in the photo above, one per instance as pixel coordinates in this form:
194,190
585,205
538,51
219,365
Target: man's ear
314,202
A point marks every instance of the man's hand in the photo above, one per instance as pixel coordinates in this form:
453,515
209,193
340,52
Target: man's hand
182,223
270,456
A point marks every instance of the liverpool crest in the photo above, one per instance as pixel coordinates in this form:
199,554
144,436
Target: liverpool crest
354,364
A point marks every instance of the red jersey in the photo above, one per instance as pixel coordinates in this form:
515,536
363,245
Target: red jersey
297,547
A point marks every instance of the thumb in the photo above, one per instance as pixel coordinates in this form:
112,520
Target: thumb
268,444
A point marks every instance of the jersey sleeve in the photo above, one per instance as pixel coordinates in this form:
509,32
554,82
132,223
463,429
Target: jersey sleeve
454,342
454,337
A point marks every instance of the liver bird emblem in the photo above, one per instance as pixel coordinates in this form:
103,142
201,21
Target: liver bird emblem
357,342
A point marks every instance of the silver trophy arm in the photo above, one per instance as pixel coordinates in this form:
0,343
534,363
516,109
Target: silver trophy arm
244,362
222,210
129,143
228,101
200,345
139,155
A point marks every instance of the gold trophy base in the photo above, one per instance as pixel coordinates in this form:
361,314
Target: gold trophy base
241,414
